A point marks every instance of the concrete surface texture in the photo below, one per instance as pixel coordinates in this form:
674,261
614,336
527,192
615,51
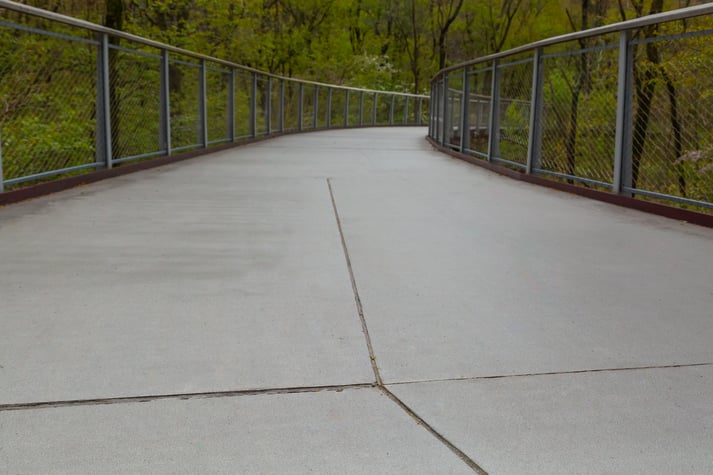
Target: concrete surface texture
202,317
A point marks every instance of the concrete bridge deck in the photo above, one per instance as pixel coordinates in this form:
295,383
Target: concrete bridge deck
350,302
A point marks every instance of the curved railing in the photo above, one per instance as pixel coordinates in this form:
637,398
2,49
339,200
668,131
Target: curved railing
627,107
77,97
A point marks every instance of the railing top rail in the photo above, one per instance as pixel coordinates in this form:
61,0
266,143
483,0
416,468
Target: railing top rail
673,15
67,20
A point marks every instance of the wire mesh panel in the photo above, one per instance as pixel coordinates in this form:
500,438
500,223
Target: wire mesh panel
514,127
399,109
308,110
479,105
672,118
48,93
275,105
292,104
629,111
135,102
454,98
243,92
368,109
354,102
383,108
184,92
262,102
218,84
76,97
322,106
579,113
337,110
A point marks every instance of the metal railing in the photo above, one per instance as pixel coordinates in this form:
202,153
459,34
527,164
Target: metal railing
627,107
77,97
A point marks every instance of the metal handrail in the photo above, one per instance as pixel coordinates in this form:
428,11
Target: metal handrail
665,17
623,156
71,21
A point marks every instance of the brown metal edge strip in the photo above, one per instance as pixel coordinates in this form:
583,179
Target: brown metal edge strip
659,209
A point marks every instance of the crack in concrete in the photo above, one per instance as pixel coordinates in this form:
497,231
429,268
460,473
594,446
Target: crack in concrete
182,396
357,299
551,373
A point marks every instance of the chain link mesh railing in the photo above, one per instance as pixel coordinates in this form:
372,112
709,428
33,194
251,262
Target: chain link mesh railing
579,112
48,87
77,97
626,108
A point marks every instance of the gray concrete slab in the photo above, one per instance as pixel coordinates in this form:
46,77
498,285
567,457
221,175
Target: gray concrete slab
464,273
227,273
633,422
354,431
178,280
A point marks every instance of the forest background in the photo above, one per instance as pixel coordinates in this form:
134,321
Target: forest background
377,44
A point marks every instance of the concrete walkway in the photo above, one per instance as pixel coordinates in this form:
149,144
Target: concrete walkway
350,302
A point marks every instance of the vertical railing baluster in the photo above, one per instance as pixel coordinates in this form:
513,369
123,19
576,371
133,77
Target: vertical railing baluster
419,111
202,107
300,105
281,117
622,179
231,106
494,119
268,108
103,151
2,179
446,124
432,110
464,126
534,142
329,108
165,104
315,107
374,108
253,106
346,108
361,108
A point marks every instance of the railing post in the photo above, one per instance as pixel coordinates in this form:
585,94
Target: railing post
391,109
268,108
329,108
445,122
164,130
622,178
374,108
361,108
465,113
281,117
2,179
231,106
203,107
534,142
103,144
346,109
253,106
300,106
432,110
419,111
406,111
494,125
315,107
